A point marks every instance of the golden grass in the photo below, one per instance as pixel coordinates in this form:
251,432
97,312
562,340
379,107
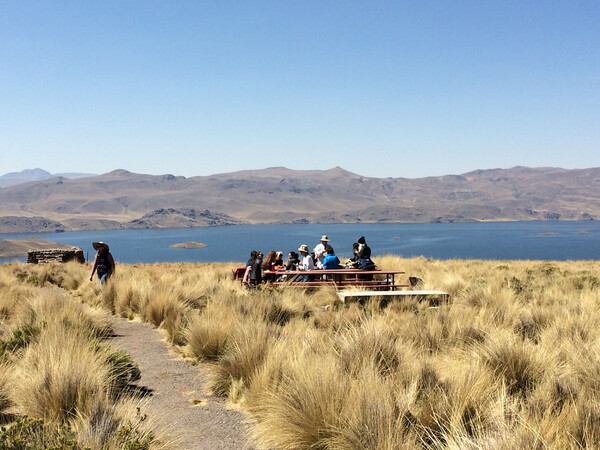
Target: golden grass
59,376
512,361
53,367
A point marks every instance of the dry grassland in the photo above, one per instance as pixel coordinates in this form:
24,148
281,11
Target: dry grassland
511,362
61,386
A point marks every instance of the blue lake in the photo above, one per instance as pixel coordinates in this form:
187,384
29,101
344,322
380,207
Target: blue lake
494,240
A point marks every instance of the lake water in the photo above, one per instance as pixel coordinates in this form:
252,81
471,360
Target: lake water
495,240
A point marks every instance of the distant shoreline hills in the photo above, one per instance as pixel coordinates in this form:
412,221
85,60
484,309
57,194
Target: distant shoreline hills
122,199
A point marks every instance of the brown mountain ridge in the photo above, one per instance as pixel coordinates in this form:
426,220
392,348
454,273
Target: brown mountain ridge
121,199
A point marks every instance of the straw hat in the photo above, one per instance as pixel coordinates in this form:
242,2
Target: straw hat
303,248
325,238
100,245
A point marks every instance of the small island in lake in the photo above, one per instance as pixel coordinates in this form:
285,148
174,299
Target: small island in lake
191,244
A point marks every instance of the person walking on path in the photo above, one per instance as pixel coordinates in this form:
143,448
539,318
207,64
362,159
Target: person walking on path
104,264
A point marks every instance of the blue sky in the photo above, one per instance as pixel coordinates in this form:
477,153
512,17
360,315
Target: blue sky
383,89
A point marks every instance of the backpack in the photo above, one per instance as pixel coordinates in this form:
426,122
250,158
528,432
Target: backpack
366,263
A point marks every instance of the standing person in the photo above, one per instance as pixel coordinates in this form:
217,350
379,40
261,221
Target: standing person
246,279
256,270
320,250
307,263
104,264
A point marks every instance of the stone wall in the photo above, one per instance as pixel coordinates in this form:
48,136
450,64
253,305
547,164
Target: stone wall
55,255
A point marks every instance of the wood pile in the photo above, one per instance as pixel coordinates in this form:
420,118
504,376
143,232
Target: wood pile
55,255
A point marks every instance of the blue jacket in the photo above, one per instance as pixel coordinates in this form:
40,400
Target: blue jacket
331,262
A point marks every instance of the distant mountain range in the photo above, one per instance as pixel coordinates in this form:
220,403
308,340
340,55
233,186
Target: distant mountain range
121,199
27,175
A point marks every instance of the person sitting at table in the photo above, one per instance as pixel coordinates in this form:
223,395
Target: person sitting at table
330,261
293,261
307,263
320,250
292,265
279,259
364,251
353,262
269,260
364,258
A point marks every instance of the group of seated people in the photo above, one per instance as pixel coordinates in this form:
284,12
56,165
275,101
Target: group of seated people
322,257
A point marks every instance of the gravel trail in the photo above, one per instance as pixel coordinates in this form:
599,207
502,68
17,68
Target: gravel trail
178,397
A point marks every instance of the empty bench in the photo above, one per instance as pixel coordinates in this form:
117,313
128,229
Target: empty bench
434,297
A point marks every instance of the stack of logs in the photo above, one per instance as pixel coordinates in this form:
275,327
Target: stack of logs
55,255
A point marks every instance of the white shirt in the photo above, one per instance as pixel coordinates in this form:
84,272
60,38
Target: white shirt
319,252
308,263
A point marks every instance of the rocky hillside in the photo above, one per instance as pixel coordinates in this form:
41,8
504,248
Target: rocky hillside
121,199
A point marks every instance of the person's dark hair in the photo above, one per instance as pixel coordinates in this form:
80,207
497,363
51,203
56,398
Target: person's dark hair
293,255
355,247
329,250
253,255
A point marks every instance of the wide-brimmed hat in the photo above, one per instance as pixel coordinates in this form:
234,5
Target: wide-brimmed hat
325,238
303,248
99,245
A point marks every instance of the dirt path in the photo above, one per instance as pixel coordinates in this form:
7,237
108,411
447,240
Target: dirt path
178,398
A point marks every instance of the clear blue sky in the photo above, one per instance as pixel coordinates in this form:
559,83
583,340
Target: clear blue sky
384,89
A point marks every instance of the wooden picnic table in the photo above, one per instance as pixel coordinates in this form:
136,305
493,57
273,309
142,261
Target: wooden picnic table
339,278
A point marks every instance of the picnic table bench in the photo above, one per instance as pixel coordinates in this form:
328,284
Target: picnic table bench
433,297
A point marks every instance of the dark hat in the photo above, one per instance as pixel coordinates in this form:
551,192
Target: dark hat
361,240
100,245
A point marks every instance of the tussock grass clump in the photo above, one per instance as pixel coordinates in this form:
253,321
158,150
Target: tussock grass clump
243,355
208,333
5,387
59,376
518,364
